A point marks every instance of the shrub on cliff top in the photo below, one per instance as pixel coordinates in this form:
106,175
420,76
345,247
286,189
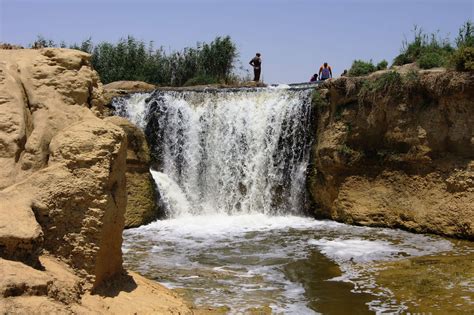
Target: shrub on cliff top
360,68
382,65
463,59
412,77
465,36
424,45
431,60
390,81
42,42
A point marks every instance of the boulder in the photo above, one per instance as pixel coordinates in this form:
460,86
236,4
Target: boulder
130,86
24,289
21,237
141,191
19,279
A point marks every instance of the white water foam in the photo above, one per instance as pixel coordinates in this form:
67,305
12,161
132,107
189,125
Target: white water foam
242,247
357,250
171,194
241,152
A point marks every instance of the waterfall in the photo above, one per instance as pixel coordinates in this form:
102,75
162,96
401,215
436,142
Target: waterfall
227,151
133,107
231,169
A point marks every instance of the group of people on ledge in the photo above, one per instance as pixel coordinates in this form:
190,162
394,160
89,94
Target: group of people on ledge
325,71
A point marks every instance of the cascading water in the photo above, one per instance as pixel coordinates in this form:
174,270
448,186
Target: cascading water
230,166
237,152
133,107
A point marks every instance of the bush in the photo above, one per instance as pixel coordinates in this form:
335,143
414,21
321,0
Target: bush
466,35
317,100
382,65
360,67
463,59
389,81
42,42
132,59
201,80
423,44
431,60
411,78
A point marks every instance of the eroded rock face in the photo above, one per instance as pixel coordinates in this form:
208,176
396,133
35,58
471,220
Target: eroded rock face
141,193
397,151
41,92
62,167
62,190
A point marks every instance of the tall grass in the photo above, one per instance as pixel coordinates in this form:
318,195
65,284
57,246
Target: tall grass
432,50
430,47
463,58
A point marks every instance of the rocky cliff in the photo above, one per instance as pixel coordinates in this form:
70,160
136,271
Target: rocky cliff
396,150
63,191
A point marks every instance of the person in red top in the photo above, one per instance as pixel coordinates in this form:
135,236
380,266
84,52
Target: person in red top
325,72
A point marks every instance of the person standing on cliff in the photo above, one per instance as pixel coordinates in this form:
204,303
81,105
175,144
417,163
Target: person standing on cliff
325,72
256,63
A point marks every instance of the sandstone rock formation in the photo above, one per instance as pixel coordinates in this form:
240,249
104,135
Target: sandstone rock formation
396,150
62,185
141,191
130,86
62,166
57,290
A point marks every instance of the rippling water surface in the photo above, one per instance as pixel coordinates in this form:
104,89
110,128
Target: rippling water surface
257,260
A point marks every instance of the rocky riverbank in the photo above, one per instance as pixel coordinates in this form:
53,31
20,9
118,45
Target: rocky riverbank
396,149
63,192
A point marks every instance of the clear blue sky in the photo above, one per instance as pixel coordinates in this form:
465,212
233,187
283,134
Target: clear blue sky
294,36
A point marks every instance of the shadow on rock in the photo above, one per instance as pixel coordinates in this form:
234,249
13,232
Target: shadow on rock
112,288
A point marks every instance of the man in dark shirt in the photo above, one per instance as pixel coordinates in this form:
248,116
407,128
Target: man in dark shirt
256,63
